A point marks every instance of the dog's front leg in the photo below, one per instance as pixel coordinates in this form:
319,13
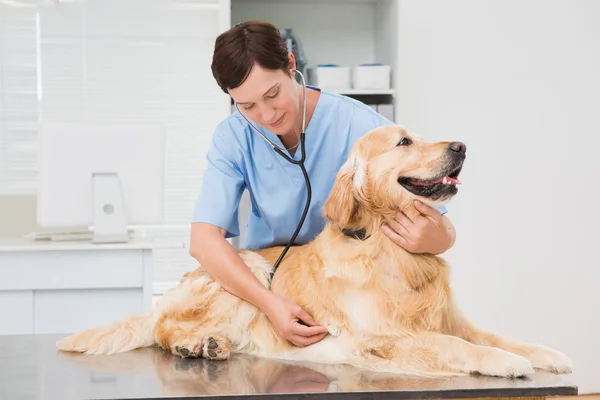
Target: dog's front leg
541,357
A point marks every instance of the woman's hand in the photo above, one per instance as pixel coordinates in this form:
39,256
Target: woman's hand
430,232
293,323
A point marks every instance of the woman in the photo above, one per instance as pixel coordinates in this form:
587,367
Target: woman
252,64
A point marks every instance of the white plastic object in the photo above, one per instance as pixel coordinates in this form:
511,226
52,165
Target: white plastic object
371,76
331,77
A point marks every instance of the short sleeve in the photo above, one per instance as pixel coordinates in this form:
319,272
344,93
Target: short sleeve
222,186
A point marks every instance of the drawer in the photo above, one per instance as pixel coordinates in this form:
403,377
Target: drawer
86,308
71,269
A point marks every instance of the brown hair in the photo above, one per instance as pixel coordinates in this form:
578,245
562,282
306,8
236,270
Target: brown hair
239,48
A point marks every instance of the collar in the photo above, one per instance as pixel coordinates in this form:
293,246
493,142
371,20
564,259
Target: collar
359,234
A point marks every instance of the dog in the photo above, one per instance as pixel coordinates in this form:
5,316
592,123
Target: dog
386,309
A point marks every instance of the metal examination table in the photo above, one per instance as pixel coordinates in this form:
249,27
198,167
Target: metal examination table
32,368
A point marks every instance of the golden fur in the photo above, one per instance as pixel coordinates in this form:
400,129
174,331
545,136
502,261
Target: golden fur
393,310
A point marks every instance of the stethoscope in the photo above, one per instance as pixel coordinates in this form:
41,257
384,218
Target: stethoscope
291,160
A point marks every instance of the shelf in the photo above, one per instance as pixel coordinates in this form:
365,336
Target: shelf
335,2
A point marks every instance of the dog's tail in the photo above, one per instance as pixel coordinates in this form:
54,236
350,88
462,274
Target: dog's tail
129,334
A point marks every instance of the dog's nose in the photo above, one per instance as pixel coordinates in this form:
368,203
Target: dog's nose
458,147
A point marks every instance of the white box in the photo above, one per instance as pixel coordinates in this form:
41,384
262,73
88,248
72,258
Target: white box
329,77
371,76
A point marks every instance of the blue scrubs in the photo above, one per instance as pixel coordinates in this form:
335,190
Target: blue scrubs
240,159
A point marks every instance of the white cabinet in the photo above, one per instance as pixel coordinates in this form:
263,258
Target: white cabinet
65,287
16,308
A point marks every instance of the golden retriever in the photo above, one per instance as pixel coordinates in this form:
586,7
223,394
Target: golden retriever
386,309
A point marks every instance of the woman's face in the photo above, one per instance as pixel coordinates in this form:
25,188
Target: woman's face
270,99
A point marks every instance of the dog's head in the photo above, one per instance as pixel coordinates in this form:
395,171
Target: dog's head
388,169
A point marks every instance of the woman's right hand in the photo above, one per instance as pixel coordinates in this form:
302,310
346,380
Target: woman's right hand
293,323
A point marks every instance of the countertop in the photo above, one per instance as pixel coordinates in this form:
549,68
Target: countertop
32,368
27,245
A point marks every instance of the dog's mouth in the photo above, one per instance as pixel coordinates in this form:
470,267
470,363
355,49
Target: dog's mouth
441,185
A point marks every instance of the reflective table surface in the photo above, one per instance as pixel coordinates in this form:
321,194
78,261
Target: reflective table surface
32,368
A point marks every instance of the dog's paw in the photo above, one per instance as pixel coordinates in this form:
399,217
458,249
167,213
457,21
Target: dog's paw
550,360
187,348
501,363
215,348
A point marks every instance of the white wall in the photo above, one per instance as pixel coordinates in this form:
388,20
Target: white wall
519,83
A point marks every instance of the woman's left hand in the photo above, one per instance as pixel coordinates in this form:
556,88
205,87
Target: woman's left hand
426,233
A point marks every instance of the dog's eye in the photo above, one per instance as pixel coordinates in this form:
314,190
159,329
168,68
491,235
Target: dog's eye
404,142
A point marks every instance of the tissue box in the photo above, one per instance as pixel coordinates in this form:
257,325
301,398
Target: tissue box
371,76
333,77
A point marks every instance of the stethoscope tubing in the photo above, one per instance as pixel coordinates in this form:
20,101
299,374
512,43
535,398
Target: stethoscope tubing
281,151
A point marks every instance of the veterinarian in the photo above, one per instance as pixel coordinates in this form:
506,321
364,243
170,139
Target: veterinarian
252,64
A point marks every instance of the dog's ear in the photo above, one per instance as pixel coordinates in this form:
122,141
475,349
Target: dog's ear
341,206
